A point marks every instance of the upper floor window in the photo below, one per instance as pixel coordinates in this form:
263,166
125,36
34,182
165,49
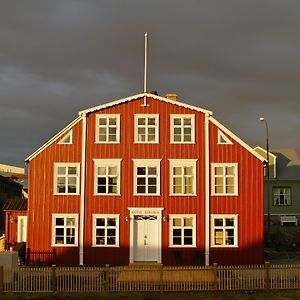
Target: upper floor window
281,196
224,179
65,230
146,128
107,176
107,128
67,138
224,230
182,129
105,230
146,176
66,178
182,230
223,139
182,176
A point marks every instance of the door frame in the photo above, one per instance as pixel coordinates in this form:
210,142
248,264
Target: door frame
145,211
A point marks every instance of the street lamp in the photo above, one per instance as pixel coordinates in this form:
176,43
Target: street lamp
268,178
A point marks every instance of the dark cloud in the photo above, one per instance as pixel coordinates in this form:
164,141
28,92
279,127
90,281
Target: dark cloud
239,59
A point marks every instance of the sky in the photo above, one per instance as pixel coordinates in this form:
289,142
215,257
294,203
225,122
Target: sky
237,58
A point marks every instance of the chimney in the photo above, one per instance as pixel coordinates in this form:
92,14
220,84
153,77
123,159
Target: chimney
171,96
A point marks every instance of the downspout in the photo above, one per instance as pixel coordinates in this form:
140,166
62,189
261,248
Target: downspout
82,190
207,186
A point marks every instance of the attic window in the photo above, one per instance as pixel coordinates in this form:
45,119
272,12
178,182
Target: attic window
223,139
67,139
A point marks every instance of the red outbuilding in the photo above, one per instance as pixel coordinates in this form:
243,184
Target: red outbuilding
146,179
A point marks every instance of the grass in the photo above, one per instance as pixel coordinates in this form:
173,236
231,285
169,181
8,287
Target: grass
266,295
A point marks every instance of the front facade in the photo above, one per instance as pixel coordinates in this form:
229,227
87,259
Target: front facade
146,179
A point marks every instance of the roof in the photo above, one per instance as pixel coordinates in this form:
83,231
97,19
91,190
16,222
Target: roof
10,181
15,204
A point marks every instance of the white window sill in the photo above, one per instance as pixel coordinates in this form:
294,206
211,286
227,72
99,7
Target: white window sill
64,245
105,246
182,246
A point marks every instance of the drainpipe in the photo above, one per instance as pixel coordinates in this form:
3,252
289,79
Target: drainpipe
207,190
82,190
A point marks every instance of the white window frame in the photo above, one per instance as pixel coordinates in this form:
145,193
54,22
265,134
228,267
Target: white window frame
224,227
146,163
172,127
287,197
223,139
65,216
194,235
117,227
69,134
117,126
156,126
107,163
22,229
182,163
213,177
77,176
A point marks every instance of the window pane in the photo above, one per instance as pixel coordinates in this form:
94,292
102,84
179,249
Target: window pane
230,170
176,240
176,222
229,222
188,171
152,171
111,240
61,170
219,170
177,171
100,222
188,222
141,121
100,240
112,121
102,121
112,170
141,170
111,221
151,121
188,241
60,221
141,189
72,170
152,189
218,222
70,221
59,231
177,121
187,121
152,181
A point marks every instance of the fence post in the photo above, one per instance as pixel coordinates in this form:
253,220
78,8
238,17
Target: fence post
267,275
53,278
215,270
1,279
106,278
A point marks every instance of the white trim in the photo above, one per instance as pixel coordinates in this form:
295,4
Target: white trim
64,216
136,126
223,139
22,220
236,183
194,228
103,162
117,227
193,128
82,195
142,95
146,163
52,140
117,126
66,165
183,163
68,135
207,189
235,227
237,139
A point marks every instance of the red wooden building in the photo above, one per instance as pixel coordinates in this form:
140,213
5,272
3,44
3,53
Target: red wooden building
146,179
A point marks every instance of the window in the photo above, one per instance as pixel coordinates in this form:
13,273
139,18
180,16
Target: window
223,139
107,176
146,176
182,176
224,179
224,231
66,178
182,129
65,230
105,230
107,128
146,128
182,230
281,196
67,138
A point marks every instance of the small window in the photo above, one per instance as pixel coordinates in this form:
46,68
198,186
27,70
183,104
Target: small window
105,230
65,230
224,230
107,176
182,230
182,177
281,196
182,129
223,139
146,129
107,128
146,176
67,138
66,178
224,179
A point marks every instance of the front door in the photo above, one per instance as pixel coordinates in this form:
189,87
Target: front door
146,244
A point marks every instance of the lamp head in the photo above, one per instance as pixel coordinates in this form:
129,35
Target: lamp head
262,119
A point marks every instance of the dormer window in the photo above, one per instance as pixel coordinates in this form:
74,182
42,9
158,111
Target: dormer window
67,138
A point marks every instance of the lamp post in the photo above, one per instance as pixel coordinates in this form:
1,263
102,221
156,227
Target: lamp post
262,119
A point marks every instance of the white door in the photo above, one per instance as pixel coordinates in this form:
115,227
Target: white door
22,229
146,238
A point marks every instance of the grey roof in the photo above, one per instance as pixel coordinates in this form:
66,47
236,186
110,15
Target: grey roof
15,204
288,164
